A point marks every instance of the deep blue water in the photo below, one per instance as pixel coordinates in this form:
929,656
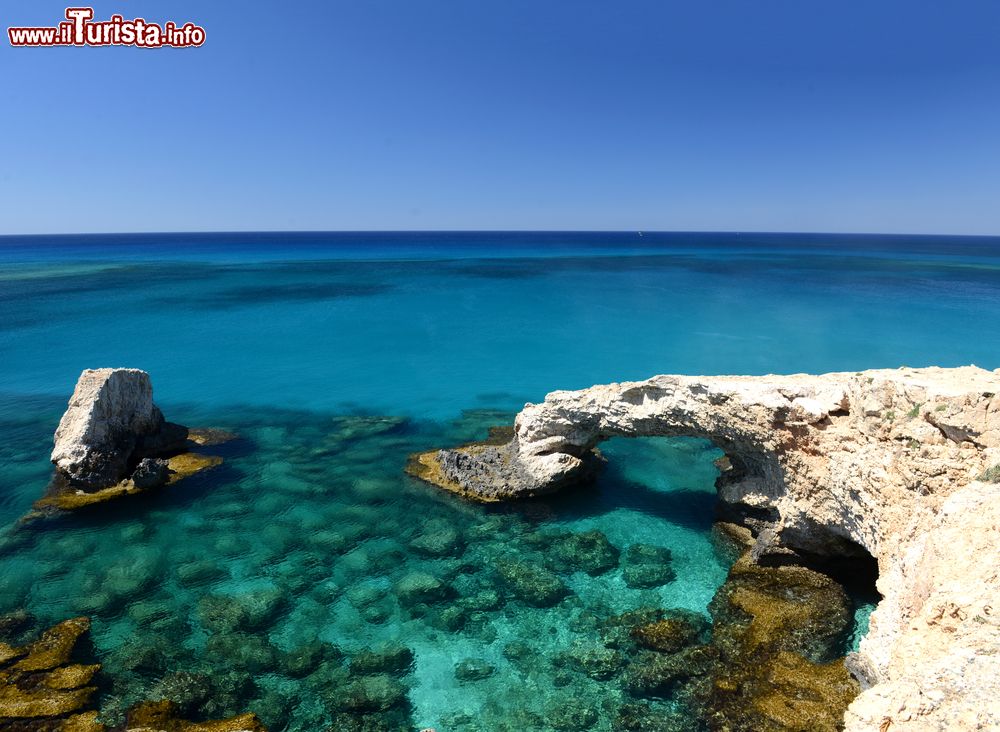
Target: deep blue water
284,338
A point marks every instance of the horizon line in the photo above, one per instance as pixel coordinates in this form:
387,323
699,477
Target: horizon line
640,232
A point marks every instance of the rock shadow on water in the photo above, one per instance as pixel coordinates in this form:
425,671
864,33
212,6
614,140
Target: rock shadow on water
177,497
608,490
687,508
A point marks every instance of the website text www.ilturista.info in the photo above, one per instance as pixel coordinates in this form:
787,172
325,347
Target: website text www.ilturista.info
80,29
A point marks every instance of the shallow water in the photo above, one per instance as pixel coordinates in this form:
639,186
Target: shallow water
318,511
311,523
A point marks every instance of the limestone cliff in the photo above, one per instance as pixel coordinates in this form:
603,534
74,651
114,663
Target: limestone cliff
899,462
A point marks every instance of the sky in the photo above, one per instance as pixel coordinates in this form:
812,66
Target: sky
718,115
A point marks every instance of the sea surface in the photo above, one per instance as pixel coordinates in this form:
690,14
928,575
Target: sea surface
334,357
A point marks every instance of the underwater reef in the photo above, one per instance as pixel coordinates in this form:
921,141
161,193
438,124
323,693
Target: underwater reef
49,685
652,654
897,464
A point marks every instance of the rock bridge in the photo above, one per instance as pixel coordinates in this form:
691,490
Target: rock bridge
898,462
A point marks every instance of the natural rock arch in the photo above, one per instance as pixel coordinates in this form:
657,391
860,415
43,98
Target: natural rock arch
890,460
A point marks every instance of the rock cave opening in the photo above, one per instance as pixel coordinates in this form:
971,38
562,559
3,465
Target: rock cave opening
685,479
794,616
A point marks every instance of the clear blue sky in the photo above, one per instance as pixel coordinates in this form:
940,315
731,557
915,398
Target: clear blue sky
774,115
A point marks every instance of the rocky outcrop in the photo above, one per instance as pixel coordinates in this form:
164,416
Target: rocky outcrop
43,687
164,716
777,633
113,441
46,687
110,415
895,463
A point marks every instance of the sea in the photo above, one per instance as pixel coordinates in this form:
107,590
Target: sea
334,357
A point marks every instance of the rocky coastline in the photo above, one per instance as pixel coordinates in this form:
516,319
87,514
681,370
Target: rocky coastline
897,467
897,464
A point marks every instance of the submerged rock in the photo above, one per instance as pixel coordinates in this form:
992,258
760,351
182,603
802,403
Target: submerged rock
522,655
567,551
642,717
571,714
789,608
305,659
189,691
597,662
366,595
255,610
164,716
657,675
350,428
14,624
778,631
180,696
232,690
395,719
679,629
55,646
243,651
645,566
531,583
473,669
150,654
210,436
482,600
394,659
421,588
132,574
438,538
200,571
42,685
370,694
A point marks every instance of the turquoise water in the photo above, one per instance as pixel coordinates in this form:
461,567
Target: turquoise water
334,357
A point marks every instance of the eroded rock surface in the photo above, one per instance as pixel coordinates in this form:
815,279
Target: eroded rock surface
898,463
164,716
49,686
110,413
43,687
778,632
113,441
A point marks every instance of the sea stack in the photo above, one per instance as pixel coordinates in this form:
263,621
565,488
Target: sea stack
902,464
110,423
113,441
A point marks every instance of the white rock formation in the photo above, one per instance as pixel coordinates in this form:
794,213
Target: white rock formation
888,460
109,412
